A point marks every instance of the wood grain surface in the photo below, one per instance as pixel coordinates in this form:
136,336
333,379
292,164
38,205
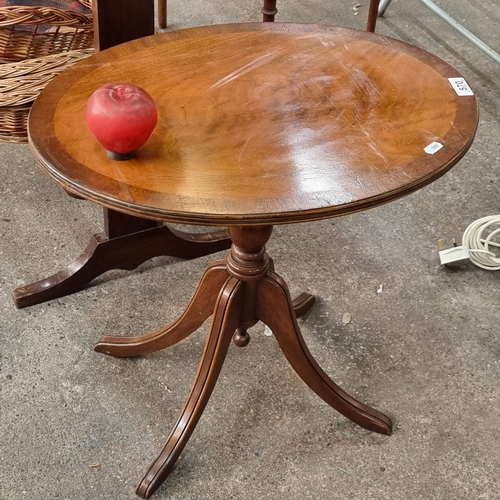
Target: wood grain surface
264,123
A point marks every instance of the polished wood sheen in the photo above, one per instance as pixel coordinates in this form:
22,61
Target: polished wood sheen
119,21
260,124
127,241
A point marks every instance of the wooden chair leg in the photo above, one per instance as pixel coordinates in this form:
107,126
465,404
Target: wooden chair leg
372,15
269,10
162,13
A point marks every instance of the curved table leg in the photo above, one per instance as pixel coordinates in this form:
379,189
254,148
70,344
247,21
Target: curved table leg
303,302
226,318
123,252
199,309
275,309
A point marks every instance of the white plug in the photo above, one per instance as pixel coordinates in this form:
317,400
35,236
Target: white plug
454,254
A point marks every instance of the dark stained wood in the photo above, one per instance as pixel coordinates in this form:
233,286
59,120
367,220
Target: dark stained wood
120,252
119,21
162,13
240,291
260,123
276,311
117,224
224,322
372,15
198,311
269,11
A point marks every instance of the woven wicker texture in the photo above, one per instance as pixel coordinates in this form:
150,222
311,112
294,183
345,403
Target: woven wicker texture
29,32
86,3
20,81
20,84
36,44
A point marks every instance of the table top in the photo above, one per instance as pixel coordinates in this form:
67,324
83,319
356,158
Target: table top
264,123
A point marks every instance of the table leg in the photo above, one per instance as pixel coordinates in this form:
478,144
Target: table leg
247,290
275,310
226,318
197,312
372,15
128,242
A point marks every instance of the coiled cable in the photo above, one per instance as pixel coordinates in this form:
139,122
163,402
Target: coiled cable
478,238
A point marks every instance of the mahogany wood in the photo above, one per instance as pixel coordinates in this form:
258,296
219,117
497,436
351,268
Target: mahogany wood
276,311
117,224
119,252
260,124
162,13
269,11
225,320
261,295
372,15
197,312
119,21
285,123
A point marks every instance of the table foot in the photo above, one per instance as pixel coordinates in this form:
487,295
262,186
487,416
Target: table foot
247,290
199,309
125,252
225,321
302,303
275,309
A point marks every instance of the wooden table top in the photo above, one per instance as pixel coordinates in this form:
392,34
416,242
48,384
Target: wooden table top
264,123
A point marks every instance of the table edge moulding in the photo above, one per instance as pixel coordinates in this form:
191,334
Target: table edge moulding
463,125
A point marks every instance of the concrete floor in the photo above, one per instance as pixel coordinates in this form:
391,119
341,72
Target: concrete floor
76,425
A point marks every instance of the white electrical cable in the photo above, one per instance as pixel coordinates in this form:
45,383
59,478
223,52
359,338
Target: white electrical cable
480,244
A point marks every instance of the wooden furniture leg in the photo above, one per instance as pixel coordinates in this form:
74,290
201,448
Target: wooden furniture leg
162,13
127,242
198,311
269,10
225,320
276,311
372,15
248,291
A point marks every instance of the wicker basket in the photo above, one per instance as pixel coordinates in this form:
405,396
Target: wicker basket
20,84
36,43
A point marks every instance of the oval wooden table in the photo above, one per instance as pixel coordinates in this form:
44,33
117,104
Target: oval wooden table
260,124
